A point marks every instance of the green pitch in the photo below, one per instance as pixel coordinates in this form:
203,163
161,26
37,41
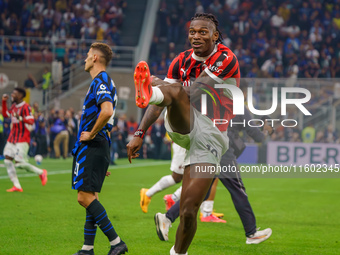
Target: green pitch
304,214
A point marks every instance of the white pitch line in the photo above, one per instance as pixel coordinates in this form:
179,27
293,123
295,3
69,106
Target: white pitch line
68,171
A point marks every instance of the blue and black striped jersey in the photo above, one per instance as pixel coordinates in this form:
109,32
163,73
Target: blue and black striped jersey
102,89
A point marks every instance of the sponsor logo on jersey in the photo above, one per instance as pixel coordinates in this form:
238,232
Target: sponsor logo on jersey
103,90
215,69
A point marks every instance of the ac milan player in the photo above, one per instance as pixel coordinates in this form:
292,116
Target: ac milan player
206,64
17,145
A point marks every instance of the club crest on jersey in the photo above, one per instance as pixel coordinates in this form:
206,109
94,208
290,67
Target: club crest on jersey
219,63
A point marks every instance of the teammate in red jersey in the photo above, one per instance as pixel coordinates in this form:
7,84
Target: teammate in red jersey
17,145
206,64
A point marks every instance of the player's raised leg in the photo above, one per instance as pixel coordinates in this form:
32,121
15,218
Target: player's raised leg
171,95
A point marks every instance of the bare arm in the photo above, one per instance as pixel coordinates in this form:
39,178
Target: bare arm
150,116
104,116
4,105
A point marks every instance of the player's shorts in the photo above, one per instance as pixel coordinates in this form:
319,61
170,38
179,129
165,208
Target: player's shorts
204,144
90,164
18,151
177,160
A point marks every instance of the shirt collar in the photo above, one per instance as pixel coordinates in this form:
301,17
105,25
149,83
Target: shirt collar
19,105
202,59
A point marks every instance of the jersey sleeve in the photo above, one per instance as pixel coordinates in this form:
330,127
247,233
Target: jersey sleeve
5,111
174,71
27,115
224,68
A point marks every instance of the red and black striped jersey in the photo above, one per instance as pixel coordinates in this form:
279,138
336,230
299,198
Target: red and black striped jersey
221,66
21,121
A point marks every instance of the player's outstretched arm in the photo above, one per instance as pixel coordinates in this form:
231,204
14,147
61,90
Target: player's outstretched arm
151,115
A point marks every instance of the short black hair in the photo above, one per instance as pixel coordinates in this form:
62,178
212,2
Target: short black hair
212,18
21,91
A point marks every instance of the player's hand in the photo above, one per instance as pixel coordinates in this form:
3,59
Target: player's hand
108,173
86,136
5,97
133,146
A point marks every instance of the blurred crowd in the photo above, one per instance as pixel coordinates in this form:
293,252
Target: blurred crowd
292,38
54,135
307,135
59,21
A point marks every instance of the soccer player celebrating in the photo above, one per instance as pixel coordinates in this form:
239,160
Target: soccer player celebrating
92,150
17,145
208,62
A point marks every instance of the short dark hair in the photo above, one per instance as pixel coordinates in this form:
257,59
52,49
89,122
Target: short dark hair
21,91
105,49
213,19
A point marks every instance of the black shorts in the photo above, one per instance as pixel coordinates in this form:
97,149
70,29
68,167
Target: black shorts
90,164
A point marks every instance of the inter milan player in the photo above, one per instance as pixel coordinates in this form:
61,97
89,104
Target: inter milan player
92,150
17,145
208,63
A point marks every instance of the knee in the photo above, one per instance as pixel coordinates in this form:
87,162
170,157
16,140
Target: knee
85,198
188,215
81,201
177,177
176,90
84,201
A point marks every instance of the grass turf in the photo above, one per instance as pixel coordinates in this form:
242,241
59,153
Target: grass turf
303,214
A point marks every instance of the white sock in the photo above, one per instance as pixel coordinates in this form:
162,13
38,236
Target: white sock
207,207
157,96
172,252
115,241
87,247
12,173
177,194
29,167
165,182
